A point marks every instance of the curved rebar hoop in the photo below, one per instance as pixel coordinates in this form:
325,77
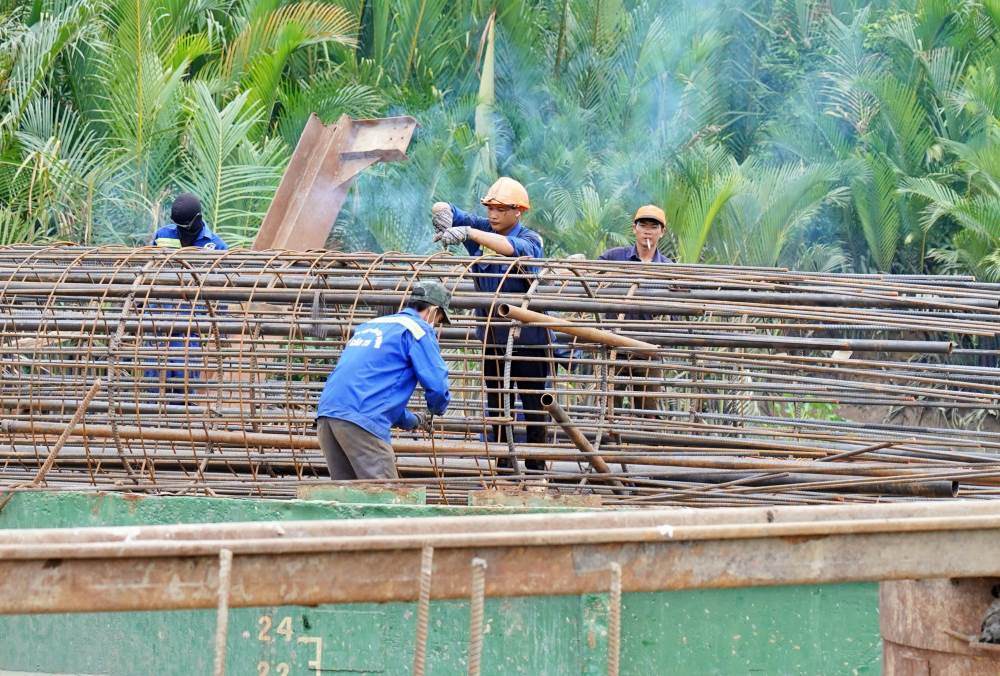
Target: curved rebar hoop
212,364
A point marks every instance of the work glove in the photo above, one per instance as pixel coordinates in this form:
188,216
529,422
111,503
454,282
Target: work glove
441,216
455,235
425,420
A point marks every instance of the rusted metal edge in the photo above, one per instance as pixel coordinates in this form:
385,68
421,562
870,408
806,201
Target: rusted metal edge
177,582
893,517
144,568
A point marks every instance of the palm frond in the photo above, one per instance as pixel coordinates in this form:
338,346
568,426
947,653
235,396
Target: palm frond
287,28
35,53
220,166
850,66
328,96
875,202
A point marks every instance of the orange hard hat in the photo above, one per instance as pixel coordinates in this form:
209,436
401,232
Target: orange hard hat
650,212
507,192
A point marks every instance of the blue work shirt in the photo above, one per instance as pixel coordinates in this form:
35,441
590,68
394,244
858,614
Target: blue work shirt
631,253
169,236
527,243
378,371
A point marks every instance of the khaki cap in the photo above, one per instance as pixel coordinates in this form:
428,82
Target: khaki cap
651,212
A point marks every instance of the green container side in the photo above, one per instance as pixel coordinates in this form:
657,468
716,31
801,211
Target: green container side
823,629
44,509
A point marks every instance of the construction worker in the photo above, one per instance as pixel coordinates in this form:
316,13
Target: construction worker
188,228
367,392
502,232
648,226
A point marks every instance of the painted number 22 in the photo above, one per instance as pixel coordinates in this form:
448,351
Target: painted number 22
264,669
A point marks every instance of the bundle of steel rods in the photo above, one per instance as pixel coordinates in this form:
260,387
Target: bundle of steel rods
193,372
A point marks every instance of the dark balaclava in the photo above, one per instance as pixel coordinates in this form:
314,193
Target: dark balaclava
186,213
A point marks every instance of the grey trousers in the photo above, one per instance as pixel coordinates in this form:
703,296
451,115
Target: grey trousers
353,452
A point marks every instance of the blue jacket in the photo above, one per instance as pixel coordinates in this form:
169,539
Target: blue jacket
526,242
169,237
630,253
378,371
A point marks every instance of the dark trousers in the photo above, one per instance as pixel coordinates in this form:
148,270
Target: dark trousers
528,377
643,395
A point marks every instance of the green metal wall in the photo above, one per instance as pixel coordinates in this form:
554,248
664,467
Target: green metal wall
830,629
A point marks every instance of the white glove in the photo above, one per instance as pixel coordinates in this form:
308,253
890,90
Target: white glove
441,216
455,235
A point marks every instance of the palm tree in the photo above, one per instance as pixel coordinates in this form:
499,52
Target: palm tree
822,133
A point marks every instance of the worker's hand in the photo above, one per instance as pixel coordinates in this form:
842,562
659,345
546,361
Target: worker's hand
455,235
441,216
425,421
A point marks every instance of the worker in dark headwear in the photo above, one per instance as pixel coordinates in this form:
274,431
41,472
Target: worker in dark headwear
502,232
187,228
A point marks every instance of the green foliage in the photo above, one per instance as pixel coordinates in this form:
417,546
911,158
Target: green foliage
823,134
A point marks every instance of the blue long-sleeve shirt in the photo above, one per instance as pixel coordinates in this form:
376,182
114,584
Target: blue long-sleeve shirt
631,253
169,236
379,370
490,276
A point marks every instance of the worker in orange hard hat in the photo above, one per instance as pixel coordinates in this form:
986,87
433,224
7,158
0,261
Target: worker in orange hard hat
649,225
502,232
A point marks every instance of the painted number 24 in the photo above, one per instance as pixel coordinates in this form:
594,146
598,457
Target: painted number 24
284,628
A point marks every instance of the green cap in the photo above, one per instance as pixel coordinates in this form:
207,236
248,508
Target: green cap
435,294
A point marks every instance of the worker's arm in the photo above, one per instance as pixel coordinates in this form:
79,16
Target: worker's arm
492,241
480,234
460,218
432,373
407,421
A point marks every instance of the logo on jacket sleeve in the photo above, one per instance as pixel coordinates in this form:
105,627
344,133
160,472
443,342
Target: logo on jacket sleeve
374,338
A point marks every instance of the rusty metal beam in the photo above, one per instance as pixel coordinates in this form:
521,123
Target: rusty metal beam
324,562
316,181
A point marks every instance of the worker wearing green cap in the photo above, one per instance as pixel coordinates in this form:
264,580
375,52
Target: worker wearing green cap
367,393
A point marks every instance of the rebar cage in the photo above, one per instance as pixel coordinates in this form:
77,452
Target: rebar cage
188,371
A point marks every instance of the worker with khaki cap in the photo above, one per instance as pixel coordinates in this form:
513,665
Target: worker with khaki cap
502,232
648,226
